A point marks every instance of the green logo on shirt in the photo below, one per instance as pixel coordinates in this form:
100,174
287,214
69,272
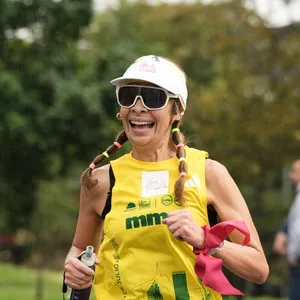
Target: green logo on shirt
145,220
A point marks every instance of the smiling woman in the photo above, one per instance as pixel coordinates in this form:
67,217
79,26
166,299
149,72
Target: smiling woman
146,212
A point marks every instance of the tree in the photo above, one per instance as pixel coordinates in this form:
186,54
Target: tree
35,71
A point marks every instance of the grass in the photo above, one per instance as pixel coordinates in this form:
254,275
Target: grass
19,283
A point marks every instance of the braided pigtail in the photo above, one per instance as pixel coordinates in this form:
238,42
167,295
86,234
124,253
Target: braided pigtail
178,140
86,175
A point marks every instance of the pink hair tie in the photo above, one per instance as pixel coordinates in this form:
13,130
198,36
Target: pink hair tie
117,144
92,166
182,174
179,145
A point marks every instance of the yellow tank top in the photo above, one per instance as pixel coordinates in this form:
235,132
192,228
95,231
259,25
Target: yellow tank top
139,258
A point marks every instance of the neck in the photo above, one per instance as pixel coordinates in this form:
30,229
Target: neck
166,150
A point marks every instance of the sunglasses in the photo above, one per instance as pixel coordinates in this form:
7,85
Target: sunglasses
153,98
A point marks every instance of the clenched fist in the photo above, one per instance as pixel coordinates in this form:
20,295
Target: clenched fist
184,228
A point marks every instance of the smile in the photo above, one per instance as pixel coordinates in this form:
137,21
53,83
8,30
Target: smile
140,124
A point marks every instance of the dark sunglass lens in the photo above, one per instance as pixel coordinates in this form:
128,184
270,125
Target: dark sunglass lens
154,98
127,95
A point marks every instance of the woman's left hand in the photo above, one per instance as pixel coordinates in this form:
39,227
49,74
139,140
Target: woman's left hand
184,228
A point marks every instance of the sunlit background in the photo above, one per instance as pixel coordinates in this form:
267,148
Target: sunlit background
277,12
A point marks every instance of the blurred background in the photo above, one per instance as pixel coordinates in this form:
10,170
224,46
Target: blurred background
57,111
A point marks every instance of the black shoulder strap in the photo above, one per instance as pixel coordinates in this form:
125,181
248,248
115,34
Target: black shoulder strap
107,206
213,217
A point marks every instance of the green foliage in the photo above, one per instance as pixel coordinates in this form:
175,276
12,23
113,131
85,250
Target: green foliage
32,70
58,205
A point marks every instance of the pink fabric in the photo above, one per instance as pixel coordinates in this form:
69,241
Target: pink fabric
208,268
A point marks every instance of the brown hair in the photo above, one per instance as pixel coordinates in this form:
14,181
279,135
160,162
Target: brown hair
177,138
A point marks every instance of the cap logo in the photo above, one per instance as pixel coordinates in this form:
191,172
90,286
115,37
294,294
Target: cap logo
144,67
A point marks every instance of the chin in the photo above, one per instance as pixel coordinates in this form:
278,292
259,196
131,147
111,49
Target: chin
140,142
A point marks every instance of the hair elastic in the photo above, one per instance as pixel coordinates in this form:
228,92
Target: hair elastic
179,145
117,144
182,159
182,174
175,129
92,166
105,154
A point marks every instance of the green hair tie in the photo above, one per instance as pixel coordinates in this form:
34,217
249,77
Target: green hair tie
105,154
175,129
182,159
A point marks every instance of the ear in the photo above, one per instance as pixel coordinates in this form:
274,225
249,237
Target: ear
176,117
177,111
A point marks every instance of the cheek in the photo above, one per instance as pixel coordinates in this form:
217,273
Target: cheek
165,121
165,114
124,112
162,116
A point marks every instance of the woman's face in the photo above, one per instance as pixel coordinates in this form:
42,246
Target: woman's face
145,127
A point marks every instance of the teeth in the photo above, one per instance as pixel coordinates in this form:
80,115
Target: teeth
141,123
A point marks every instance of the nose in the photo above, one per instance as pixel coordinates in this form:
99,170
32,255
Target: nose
139,106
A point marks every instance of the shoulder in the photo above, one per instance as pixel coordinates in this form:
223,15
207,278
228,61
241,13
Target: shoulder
95,196
215,171
219,183
101,174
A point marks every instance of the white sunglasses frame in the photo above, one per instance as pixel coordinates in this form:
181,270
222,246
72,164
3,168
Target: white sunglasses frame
168,94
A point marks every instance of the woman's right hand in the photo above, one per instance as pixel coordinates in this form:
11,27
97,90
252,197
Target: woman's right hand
78,276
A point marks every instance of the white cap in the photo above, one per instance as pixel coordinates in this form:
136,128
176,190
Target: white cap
159,71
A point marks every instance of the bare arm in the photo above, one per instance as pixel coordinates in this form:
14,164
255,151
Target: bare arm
249,261
279,244
88,230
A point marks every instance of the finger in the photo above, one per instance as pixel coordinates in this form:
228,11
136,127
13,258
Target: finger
180,223
78,286
77,276
174,226
181,219
84,269
177,212
173,219
179,234
78,273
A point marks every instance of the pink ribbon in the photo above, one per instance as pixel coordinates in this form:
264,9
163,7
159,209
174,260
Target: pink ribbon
208,268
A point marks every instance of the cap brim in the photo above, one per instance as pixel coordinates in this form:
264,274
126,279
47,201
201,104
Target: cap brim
125,80
121,80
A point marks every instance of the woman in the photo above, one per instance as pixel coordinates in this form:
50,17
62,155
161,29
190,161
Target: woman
151,204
